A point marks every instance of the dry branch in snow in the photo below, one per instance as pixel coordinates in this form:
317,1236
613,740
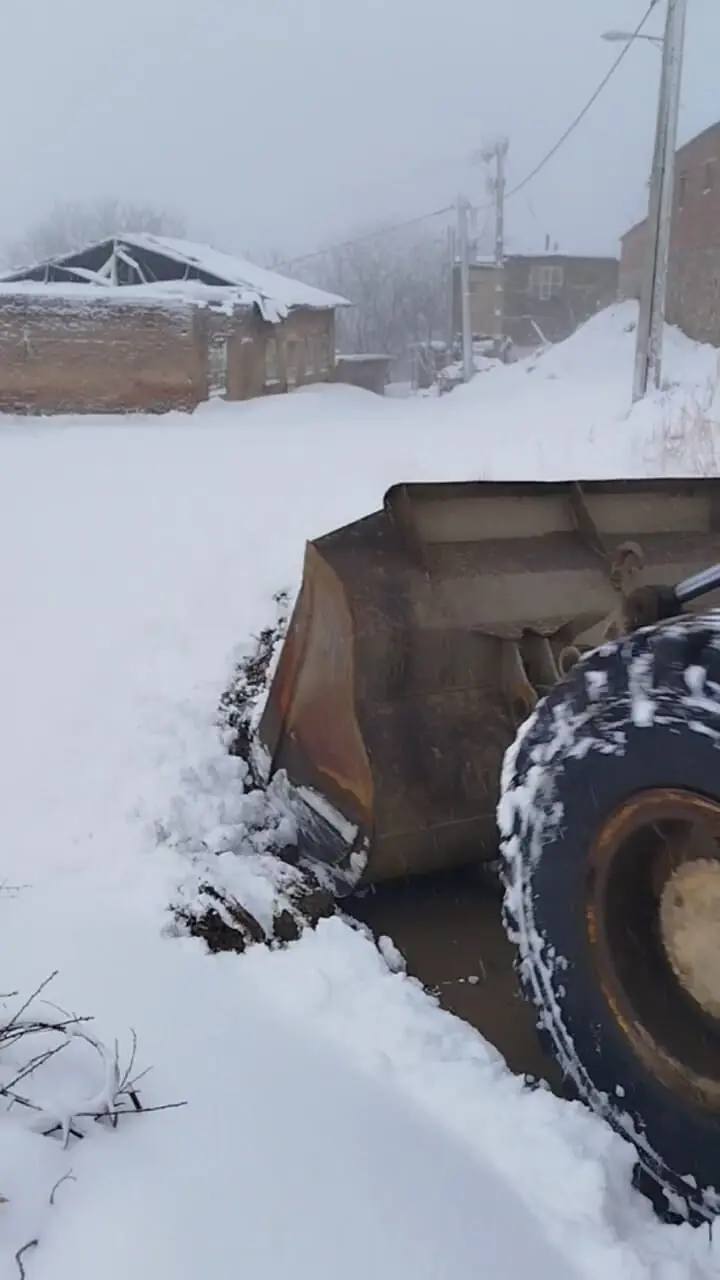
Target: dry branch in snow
30,1041
35,1040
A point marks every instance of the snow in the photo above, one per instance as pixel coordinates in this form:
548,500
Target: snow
337,1121
166,293
102,291
239,282
237,271
550,247
360,357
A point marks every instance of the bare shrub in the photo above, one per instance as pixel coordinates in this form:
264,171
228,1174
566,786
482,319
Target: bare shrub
687,439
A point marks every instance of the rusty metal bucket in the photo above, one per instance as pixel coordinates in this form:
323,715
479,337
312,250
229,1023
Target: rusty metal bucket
422,637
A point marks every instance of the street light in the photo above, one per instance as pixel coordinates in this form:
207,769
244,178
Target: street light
627,37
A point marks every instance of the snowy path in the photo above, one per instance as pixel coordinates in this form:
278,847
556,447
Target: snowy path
337,1120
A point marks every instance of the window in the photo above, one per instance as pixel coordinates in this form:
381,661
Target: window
310,358
217,366
272,368
682,190
323,358
709,176
546,281
291,362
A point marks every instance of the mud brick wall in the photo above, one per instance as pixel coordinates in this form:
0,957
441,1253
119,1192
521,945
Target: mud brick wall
99,355
371,373
693,301
228,348
308,341
64,355
631,262
693,294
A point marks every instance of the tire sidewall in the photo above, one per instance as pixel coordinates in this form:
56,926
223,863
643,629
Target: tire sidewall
603,754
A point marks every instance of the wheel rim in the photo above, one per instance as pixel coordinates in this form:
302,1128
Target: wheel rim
653,920
690,929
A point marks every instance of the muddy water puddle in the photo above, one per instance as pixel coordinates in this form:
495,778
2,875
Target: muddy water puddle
450,931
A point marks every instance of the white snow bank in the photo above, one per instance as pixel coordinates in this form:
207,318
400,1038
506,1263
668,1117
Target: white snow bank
568,412
338,1121
290,1158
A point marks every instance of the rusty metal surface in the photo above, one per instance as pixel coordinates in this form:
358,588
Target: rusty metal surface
424,633
638,862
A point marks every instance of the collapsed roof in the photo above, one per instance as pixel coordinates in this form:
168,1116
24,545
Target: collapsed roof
168,263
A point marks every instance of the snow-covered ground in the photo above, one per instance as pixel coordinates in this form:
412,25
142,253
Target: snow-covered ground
337,1121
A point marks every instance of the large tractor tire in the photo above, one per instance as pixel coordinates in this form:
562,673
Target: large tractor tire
610,823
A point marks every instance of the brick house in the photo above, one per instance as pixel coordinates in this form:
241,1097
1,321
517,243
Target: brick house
693,298
549,295
145,323
544,296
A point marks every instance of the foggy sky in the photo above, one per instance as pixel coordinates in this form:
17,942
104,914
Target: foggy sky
283,125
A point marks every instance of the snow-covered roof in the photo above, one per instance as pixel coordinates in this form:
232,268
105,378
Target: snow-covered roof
273,293
237,271
360,357
83,291
550,247
169,293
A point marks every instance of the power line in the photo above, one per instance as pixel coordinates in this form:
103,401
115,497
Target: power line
520,186
588,105
369,235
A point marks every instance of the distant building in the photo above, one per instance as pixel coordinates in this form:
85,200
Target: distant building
147,323
365,370
548,296
693,298
486,317
536,298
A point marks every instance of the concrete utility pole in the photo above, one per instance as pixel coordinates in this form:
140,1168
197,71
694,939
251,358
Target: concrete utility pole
452,261
463,209
649,346
497,155
501,151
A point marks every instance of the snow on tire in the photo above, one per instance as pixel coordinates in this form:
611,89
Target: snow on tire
610,825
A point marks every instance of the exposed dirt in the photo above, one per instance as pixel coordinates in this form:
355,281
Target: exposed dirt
249,683
449,929
223,924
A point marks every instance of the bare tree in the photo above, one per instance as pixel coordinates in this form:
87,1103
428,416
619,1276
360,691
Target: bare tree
270,259
74,224
398,288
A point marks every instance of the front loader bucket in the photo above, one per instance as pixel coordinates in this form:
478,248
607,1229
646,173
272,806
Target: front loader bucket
423,635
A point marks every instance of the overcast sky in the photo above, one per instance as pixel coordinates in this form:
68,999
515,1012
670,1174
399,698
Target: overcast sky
283,125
